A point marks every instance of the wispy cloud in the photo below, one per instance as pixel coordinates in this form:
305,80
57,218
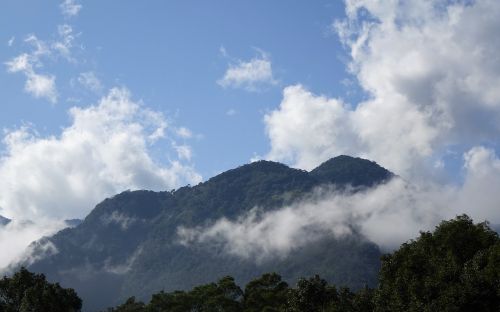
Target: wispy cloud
252,75
38,85
18,235
231,112
65,42
10,43
90,81
70,8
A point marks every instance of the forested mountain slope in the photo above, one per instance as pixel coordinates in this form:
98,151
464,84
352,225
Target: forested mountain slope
128,244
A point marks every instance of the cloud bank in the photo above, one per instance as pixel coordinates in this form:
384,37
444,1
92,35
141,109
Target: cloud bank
388,214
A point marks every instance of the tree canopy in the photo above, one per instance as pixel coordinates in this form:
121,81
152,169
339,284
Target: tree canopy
30,292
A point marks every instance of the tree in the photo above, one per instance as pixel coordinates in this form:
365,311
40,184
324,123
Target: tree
129,306
311,295
455,268
224,295
266,293
26,291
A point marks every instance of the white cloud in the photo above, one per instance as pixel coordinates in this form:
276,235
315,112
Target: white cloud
431,73
38,85
19,63
388,214
104,151
70,8
184,132
222,51
41,86
65,43
119,219
17,235
252,75
90,81
307,129
183,151
122,268
11,41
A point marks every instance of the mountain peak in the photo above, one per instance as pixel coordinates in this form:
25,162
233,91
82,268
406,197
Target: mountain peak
343,170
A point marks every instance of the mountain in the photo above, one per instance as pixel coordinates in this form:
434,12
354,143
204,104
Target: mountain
128,244
4,221
73,222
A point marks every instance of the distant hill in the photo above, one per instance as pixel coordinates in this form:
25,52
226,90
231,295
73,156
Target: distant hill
4,221
128,245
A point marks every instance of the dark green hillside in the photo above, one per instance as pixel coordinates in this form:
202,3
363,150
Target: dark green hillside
346,170
128,244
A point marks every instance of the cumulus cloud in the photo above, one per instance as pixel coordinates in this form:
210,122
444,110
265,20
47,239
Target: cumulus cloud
252,75
70,8
431,72
388,214
307,129
105,150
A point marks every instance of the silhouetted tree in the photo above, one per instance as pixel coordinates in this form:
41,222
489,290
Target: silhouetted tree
266,293
26,291
311,295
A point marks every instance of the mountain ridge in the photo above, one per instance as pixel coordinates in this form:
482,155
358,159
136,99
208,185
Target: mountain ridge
127,244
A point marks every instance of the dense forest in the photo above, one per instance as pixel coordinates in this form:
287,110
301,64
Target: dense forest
454,268
128,245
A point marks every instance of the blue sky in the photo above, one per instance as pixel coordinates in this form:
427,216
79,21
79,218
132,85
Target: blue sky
168,54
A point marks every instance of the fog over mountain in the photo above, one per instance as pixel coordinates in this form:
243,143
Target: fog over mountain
145,235
136,139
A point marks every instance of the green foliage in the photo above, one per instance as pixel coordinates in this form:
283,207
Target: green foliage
453,269
311,295
267,293
29,292
224,295
345,170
